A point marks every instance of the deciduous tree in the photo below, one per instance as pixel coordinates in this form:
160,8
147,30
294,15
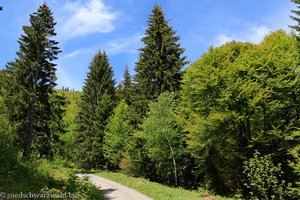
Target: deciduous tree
116,137
164,139
239,98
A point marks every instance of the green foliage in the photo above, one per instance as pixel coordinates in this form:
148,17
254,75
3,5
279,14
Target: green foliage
238,98
295,152
44,177
125,87
164,141
57,126
206,117
33,75
264,178
96,105
158,70
116,136
67,149
160,61
8,151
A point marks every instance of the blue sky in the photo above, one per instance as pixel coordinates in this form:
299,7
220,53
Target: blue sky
117,26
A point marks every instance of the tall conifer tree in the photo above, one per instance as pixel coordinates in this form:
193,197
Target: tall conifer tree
297,19
97,103
158,70
160,61
125,87
34,74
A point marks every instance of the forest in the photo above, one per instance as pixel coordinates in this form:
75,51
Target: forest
228,123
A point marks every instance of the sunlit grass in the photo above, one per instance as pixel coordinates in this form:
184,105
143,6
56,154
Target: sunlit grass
155,190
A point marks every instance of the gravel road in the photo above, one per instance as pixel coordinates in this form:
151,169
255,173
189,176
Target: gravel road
114,191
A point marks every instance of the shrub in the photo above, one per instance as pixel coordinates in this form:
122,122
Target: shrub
264,178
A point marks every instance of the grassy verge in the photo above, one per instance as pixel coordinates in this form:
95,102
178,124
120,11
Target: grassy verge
50,179
155,190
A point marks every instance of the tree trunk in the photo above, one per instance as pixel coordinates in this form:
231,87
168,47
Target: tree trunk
173,158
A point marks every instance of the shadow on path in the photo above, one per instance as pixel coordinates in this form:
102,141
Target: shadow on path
106,193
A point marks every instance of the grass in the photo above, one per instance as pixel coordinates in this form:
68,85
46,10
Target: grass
155,190
48,178
45,177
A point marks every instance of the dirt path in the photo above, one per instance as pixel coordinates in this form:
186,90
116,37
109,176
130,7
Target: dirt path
114,191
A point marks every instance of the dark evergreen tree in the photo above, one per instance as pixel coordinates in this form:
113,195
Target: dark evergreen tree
97,103
297,19
34,74
158,70
58,125
160,61
125,87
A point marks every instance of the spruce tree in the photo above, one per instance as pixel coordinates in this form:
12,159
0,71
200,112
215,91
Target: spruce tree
158,70
160,61
125,87
97,103
297,19
34,75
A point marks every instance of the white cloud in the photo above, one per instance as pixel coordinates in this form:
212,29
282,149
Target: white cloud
253,34
130,45
257,34
68,62
83,19
222,39
78,52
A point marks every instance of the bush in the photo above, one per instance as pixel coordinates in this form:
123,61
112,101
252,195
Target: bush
264,179
8,152
295,164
